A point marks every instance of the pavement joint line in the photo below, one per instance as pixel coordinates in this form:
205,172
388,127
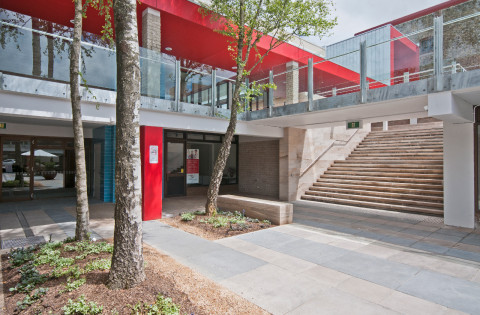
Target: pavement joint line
24,223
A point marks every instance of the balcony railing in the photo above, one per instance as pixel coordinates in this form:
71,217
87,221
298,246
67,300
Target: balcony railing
39,54
434,45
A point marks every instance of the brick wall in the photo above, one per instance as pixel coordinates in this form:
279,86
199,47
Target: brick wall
259,168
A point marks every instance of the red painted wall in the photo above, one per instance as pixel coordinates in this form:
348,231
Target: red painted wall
152,173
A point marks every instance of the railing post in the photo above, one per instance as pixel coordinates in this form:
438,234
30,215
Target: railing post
363,71
438,51
334,91
270,95
454,67
213,91
406,77
246,105
177,84
310,84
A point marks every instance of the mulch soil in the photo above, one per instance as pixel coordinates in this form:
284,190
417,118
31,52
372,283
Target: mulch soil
194,293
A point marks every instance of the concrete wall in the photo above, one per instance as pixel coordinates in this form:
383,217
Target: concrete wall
306,154
459,175
259,168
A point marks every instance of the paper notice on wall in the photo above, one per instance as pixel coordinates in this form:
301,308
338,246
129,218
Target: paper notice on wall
193,166
153,154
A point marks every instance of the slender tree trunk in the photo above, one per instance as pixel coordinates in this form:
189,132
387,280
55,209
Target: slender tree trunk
81,230
224,152
127,261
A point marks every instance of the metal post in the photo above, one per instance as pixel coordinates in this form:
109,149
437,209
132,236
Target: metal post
177,84
438,51
334,91
270,95
213,92
310,84
406,77
454,67
363,71
246,105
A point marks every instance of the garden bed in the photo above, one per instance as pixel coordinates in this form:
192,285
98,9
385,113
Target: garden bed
60,274
224,224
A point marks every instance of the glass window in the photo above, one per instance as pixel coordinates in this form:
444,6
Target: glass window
207,155
175,135
195,136
212,138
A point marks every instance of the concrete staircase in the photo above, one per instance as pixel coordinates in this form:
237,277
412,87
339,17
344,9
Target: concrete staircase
399,170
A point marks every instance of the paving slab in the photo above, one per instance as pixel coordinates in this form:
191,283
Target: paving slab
214,260
444,290
386,273
337,302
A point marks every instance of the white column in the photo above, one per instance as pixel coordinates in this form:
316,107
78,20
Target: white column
458,172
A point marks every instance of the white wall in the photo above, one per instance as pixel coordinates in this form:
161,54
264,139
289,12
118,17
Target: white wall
458,167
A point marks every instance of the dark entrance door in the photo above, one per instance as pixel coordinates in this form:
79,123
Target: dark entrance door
175,168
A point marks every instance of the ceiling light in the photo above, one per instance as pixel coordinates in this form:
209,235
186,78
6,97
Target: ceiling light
168,48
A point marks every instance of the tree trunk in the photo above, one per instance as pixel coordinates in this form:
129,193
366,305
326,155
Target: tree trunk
127,261
224,152
81,230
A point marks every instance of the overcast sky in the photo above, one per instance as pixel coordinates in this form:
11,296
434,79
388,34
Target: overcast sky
357,15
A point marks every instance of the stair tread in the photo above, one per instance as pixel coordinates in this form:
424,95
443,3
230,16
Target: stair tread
427,204
374,205
379,188
411,194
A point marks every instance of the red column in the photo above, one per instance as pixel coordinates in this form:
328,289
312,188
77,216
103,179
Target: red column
151,146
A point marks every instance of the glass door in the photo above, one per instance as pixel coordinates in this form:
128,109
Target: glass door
16,169
175,168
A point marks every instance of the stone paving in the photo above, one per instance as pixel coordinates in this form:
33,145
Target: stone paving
332,259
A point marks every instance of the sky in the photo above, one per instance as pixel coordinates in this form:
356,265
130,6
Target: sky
357,15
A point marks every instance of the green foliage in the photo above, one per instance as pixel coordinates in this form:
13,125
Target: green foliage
73,285
20,256
73,271
86,248
199,212
267,222
29,278
162,306
81,307
68,240
99,264
187,216
14,183
31,299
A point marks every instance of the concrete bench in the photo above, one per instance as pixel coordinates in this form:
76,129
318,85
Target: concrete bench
275,211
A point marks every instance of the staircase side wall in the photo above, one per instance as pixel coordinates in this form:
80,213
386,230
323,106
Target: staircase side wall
305,154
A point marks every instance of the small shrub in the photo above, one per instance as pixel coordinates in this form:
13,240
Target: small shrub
187,216
199,212
266,222
29,300
21,256
73,271
73,285
162,306
29,278
81,307
99,264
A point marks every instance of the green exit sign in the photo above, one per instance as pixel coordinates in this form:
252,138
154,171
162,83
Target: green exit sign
353,125
3,125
